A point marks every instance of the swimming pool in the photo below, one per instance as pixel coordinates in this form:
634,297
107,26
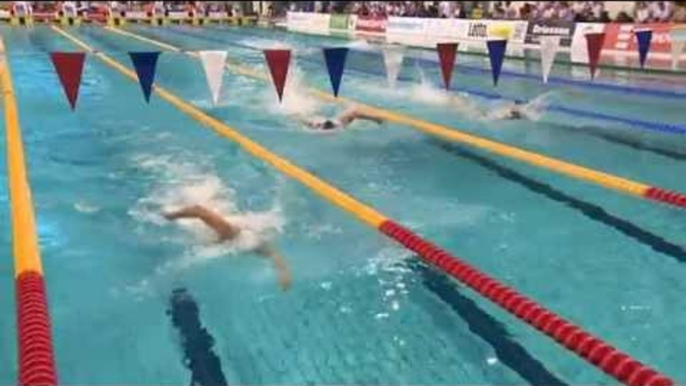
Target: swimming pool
362,309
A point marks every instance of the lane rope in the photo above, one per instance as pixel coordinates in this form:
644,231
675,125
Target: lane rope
36,357
596,352
624,185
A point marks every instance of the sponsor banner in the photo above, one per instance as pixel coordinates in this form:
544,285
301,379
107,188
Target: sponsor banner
563,29
218,15
371,24
178,15
621,37
4,14
136,15
406,25
308,21
446,29
514,31
339,22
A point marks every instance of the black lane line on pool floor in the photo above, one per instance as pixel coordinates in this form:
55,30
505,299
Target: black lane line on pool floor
196,341
619,140
592,211
508,351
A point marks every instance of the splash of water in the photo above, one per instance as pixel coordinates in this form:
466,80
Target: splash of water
182,184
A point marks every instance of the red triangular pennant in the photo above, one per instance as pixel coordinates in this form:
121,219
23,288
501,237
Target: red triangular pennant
69,67
278,62
594,44
446,55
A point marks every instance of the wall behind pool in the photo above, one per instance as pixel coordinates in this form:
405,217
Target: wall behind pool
619,49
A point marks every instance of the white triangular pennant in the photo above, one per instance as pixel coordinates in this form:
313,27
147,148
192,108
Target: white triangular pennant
678,38
549,47
393,59
213,64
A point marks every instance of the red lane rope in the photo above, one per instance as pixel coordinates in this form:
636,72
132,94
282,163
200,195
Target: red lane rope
36,362
600,354
666,196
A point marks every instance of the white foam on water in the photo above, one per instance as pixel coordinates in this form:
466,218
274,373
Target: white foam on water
297,102
181,184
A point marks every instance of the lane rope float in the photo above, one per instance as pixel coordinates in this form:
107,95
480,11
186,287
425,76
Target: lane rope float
595,351
624,185
36,357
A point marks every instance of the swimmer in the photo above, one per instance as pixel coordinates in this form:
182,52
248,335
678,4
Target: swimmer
227,232
343,120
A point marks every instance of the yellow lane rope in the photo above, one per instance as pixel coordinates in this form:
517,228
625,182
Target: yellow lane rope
24,238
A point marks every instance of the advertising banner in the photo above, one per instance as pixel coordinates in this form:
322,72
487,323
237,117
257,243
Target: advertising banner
339,22
621,37
371,24
514,31
563,29
446,29
218,15
308,21
406,25
136,15
178,15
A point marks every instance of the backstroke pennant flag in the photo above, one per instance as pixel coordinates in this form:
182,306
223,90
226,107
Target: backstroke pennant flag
643,38
393,60
335,64
278,62
549,46
145,64
69,68
213,64
594,44
446,55
496,52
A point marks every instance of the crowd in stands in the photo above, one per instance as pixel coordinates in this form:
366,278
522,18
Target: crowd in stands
579,11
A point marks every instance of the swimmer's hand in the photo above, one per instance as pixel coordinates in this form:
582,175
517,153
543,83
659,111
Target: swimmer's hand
282,271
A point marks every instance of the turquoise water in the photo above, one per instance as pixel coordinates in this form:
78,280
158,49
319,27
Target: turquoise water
361,310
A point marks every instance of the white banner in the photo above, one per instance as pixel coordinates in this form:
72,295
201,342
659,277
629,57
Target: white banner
549,46
178,15
213,64
513,31
218,15
136,15
446,30
318,22
393,59
406,25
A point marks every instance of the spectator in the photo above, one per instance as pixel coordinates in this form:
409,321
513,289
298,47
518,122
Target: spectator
511,12
597,9
662,12
642,12
477,12
679,13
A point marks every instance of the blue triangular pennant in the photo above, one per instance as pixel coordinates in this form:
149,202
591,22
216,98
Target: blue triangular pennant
496,52
643,38
145,64
335,63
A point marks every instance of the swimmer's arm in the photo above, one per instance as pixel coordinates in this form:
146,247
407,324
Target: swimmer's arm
355,113
282,270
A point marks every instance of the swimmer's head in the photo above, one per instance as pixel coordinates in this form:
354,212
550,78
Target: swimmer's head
324,124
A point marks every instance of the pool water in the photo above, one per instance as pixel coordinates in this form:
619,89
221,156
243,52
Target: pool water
361,309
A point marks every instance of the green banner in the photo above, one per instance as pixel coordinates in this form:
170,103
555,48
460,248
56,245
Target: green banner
339,22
